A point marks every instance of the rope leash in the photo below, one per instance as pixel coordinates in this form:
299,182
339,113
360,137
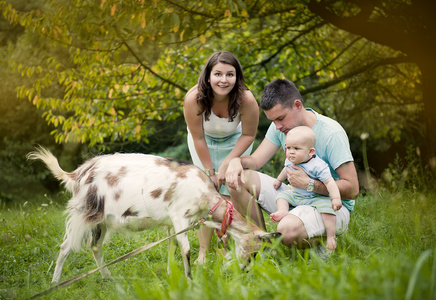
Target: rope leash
124,257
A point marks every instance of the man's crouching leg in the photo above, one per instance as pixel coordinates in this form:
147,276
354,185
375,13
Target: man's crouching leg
244,198
293,232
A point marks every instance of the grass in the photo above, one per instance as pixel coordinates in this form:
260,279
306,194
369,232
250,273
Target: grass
389,252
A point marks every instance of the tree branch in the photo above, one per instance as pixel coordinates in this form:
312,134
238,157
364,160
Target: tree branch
290,42
333,60
383,62
194,12
151,71
385,31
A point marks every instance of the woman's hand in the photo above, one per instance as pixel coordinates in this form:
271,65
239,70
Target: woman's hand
215,181
221,174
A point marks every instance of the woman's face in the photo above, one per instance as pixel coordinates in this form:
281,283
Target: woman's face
222,79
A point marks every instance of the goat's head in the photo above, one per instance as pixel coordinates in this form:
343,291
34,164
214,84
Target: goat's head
251,244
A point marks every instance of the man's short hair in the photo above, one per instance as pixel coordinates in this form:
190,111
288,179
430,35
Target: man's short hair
279,91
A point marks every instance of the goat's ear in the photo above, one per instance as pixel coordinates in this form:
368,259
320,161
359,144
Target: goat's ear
270,236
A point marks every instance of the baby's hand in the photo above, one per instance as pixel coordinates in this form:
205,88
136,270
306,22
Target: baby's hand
277,184
336,204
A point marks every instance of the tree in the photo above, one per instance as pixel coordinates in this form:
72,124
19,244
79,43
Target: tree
406,26
118,69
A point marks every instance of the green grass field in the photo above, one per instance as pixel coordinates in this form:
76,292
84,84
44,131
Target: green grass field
389,252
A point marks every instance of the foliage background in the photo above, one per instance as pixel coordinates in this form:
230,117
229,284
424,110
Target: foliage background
110,75
90,77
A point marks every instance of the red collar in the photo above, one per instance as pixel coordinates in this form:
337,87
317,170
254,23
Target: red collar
227,220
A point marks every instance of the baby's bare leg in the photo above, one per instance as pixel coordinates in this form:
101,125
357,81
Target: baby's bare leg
282,210
330,228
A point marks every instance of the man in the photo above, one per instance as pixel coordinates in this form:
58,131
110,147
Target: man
250,190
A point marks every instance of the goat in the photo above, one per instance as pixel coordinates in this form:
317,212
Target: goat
133,191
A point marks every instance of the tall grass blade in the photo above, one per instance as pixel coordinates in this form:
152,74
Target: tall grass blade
433,279
413,278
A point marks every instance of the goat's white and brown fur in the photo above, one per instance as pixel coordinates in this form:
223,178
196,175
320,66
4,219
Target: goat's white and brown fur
132,191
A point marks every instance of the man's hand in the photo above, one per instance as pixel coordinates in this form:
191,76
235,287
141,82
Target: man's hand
297,178
234,171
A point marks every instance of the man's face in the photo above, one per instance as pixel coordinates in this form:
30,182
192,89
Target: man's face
284,118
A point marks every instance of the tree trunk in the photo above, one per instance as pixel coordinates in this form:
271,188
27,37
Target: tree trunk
428,71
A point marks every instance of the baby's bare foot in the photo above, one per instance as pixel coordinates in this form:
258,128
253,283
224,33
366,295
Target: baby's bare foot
331,243
278,215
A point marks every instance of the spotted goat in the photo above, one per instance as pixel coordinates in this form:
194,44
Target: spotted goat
135,192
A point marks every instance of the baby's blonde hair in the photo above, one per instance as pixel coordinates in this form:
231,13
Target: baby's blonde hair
306,132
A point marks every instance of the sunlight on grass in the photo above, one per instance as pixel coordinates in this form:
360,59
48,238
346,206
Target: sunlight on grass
388,253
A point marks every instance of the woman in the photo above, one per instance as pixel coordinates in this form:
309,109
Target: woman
222,117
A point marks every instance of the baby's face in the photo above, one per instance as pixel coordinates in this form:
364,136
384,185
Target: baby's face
297,149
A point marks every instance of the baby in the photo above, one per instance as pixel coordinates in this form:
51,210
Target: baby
300,150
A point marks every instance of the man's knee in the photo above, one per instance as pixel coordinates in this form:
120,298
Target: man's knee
292,230
289,230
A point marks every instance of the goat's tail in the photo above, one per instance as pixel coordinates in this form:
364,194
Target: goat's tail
52,163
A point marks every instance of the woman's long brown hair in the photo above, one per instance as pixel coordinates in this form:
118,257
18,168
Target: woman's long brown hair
205,92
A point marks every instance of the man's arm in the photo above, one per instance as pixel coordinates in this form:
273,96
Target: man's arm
255,161
347,183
